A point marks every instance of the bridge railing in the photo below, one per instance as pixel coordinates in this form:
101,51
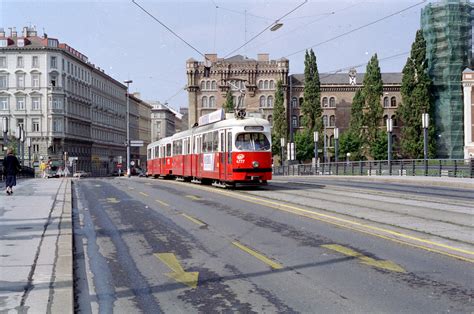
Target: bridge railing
26,172
460,168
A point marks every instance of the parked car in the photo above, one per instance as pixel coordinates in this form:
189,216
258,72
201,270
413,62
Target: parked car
80,173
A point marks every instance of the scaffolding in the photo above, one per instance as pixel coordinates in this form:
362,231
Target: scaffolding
447,28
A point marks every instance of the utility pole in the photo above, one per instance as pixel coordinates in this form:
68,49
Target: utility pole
128,82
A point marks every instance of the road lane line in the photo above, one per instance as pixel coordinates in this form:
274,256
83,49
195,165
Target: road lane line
257,255
188,278
144,194
193,197
383,264
351,225
196,221
112,200
162,203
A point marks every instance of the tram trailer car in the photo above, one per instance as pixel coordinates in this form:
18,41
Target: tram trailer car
225,153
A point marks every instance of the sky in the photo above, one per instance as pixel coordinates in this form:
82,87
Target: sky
119,37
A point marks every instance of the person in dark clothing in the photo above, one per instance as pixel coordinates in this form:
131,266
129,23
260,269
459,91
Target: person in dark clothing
11,167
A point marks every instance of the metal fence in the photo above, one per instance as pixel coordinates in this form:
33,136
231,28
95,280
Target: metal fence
26,172
459,168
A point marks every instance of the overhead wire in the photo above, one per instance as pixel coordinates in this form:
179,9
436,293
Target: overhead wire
266,28
357,28
169,29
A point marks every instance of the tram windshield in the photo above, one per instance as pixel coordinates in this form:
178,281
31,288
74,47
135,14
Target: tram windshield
252,142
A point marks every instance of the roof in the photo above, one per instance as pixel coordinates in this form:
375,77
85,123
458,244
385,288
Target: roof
343,78
239,58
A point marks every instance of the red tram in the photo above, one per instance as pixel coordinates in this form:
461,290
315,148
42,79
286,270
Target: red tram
222,151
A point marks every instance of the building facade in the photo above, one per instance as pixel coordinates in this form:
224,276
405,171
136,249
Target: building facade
165,121
140,128
67,106
447,29
468,85
251,82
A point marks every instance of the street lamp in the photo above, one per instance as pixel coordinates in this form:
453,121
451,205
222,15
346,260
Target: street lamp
276,26
22,140
325,155
316,139
128,82
28,144
336,144
425,121
282,144
389,140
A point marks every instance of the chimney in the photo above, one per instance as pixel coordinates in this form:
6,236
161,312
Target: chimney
263,57
25,31
14,32
211,57
2,32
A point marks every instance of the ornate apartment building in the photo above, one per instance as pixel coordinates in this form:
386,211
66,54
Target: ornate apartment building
165,121
66,105
468,85
252,83
140,128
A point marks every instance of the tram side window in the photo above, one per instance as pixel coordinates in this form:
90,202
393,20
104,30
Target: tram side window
177,147
229,147
207,143
148,154
215,141
168,150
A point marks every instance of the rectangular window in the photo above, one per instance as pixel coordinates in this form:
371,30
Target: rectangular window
54,63
3,62
35,123
35,80
3,81
3,103
57,103
36,148
34,62
57,125
35,103
20,103
21,123
20,80
19,62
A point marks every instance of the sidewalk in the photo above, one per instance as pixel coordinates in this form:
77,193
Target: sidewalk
36,247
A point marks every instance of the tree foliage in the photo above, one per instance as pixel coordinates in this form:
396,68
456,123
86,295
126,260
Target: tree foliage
229,102
379,148
311,107
372,94
279,129
416,100
304,145
350,142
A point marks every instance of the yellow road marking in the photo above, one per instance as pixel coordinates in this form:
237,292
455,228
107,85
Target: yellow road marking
144,194
98,185
112,200
311,215
196,221
387,265
130,188
188,278
257,255
194,197
162,203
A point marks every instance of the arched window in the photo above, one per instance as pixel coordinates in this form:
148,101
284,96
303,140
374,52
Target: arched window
262,101
325,101
331,141
266,84
212,102
270,101
272,84
394,121
203,85
294,121
332,102
260,84
325,120
294,102
208,85
332,121
393,102
301,101
385,102
385,117
270,119
204,102
301,121
214,85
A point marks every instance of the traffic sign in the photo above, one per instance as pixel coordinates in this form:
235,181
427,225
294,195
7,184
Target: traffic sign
119,166
137,143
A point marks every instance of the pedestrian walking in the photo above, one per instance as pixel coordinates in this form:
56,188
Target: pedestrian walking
11,167
43,167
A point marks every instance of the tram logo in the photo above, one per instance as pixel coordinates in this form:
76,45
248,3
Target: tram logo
240,158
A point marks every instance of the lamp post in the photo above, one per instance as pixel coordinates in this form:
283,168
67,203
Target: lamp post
325,143
282,144
5,130
128,82
389,140
425,122
336,144
18,137
316,139
28,144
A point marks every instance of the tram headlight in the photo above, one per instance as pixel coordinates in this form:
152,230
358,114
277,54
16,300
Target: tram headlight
255,164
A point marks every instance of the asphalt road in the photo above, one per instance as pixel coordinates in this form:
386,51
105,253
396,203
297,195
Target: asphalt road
144,245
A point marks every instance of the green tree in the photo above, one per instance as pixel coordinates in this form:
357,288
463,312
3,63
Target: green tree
311,107
350,142
229,102
280,127
379,148
416,100
304,145
372,94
